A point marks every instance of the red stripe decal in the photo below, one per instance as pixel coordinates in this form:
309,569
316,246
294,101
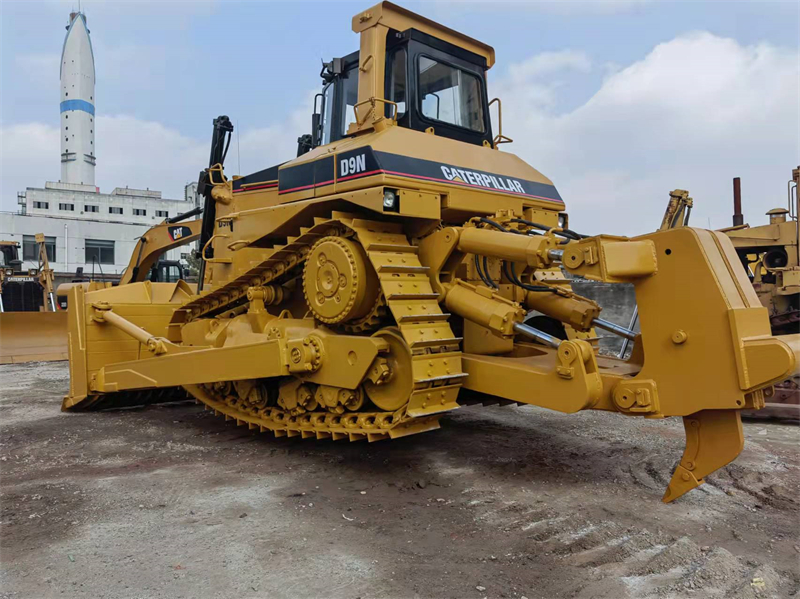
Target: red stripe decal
296,189
367,174
264,186
329,182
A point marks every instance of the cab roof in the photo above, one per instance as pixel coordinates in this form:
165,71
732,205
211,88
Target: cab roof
398,18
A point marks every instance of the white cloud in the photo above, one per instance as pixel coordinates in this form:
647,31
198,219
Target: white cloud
130,152
550,62
265,146
142,154
28,152
695,112
536,80
559,7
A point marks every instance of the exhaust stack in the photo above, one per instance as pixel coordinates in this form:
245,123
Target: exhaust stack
738,217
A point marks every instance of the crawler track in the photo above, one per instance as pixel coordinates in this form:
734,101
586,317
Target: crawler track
406,295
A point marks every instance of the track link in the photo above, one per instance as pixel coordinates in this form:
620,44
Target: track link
353,426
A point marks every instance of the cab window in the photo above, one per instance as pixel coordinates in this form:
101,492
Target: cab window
173,273
449,94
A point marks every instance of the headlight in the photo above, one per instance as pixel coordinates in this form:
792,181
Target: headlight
563,220
390,199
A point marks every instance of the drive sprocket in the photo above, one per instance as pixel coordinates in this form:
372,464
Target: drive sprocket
339,283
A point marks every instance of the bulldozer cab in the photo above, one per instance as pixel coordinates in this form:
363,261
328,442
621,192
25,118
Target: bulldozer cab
9,256
166,271
432,79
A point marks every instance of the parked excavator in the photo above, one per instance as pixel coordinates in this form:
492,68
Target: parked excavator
381,279
147,262
32,328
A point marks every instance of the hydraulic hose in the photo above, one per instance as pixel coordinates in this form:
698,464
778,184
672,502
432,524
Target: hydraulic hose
511,274
568,233
484,277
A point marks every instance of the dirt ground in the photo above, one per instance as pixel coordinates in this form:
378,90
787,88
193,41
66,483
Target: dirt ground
171,501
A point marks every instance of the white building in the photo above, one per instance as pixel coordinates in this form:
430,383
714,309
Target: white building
84,228
87,229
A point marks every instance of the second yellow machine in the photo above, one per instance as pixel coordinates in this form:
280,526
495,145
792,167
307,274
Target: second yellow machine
401,266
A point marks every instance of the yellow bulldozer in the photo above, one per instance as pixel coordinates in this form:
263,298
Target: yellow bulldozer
382,278
32,328
771,255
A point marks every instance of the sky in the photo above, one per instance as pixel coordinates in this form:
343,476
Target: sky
616,102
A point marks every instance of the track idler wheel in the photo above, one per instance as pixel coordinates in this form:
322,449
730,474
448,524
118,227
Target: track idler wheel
339,283
393,391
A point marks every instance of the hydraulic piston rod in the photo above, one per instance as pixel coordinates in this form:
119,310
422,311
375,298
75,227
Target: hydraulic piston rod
614,328
541,336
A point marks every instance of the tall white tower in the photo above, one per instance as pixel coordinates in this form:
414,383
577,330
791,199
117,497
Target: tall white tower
77,104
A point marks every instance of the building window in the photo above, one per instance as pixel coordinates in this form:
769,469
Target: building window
99,251
68,207
30,249
139,212
42,205
162,213
90,208
114,210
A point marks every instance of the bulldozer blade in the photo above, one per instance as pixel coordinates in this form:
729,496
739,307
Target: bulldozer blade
33,337
713,439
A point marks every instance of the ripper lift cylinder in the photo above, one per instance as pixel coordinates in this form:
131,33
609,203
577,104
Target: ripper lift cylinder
576,311
494,313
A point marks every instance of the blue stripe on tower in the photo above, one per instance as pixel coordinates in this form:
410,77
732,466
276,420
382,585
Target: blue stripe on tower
77,105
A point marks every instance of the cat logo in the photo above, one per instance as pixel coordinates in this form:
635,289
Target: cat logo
352,165
178,232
